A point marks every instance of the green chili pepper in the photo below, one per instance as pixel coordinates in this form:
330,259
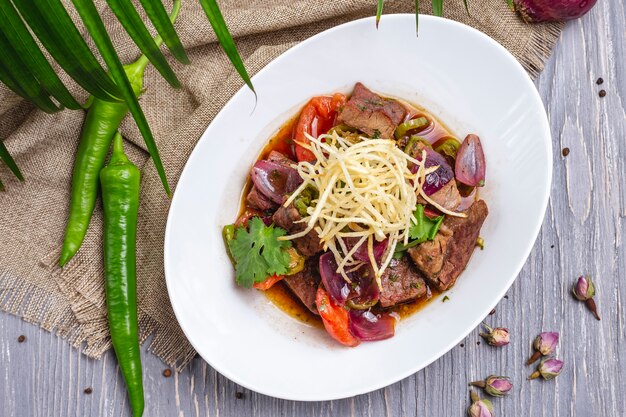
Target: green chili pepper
448,147
412,149
304,199
413,124
120,201
103,120
228,234
296,261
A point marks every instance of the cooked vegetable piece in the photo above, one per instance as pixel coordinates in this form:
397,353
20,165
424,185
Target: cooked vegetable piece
228,234
412,126
448,147
335,319
364,291
268,282
361,292
412,148
258,253
316,118
248,213
436,180
275,180
296,261
337,287
370,326
362,254
304,199
470,162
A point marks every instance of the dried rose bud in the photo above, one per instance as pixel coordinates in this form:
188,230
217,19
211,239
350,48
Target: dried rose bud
544,345
496,386
479,408
498,336
548,369
584,290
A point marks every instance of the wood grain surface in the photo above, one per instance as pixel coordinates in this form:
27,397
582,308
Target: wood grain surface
582,233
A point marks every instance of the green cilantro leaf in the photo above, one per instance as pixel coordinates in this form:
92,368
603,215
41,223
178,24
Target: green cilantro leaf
422,230
258,253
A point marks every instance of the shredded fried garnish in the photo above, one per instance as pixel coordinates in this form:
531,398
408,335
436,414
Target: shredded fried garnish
366,191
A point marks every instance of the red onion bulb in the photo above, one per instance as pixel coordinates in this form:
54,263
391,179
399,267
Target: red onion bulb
552,10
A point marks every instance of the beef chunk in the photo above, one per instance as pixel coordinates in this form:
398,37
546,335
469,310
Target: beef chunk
257,200
401,283
448,196
304,283
429,256
458,249
286,217
371,113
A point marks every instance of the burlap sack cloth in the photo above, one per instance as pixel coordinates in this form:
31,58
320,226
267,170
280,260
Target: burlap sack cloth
70,301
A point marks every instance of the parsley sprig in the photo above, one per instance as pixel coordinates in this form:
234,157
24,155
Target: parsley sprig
258,253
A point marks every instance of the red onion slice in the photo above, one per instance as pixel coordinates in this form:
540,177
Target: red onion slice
362,253
470,162
337,287
368,326
361,292
364,291
467,201
275,180
435,181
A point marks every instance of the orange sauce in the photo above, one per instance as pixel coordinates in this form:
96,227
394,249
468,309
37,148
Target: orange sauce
279,294
408,309
282,298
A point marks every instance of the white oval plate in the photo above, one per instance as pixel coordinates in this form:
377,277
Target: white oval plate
459,74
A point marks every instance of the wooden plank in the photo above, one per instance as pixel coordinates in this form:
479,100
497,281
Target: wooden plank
583,233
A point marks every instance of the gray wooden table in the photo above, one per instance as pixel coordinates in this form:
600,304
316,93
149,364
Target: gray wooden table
583,233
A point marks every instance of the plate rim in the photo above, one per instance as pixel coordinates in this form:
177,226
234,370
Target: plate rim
383,382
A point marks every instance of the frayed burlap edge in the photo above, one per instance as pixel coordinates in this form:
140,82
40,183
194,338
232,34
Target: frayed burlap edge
541,48
42,308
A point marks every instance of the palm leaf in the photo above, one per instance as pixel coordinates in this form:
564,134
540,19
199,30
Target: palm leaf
8,80
437,7
220,28
417,16
12,67
136,29
21,39
89,15
50,22
379,11
6,157
160,19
